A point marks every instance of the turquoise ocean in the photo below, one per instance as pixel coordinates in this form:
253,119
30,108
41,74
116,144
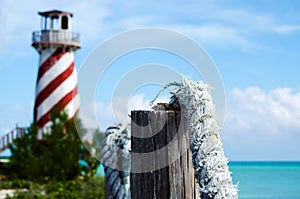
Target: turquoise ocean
263,180
267,180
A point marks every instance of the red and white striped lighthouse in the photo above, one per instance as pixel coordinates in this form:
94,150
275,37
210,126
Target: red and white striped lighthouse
56,86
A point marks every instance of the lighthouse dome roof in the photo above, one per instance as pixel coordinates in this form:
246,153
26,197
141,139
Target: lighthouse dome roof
55,12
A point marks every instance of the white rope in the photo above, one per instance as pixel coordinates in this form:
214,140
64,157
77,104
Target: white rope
210,164
117,138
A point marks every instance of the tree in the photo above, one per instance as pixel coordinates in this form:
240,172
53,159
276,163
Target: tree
61,160
55,157
24,160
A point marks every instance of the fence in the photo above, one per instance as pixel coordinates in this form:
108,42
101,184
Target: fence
7,139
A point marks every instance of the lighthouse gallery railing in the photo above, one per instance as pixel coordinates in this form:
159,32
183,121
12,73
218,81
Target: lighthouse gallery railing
55,36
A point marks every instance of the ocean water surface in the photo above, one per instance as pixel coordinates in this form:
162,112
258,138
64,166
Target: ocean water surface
267,180
263,180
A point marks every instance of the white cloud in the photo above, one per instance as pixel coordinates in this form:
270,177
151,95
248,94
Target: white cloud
217,35
270,113
210,21
116,112
19,19
285,29
259,125
262,125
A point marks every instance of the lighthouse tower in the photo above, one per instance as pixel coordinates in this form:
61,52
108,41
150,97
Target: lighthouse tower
56,86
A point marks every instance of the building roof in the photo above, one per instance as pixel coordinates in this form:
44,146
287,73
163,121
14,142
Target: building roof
53,12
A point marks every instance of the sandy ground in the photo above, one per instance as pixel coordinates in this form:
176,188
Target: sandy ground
3,193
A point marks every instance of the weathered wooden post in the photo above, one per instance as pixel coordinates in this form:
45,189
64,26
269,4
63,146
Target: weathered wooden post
176,179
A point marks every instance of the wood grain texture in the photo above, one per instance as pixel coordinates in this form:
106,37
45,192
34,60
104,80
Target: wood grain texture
173,181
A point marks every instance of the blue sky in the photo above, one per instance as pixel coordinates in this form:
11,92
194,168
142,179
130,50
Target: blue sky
255,45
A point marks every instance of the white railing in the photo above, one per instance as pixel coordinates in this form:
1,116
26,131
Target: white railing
7,140
55,36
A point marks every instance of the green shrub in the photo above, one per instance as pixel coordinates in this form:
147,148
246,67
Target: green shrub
16,184
75,189
93,188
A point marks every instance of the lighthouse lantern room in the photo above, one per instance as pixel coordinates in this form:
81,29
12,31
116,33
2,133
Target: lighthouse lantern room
56,86
55,30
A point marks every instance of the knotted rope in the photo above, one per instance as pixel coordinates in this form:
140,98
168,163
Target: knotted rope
116,160
210,164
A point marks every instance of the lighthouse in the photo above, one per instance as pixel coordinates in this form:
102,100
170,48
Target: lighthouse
57,83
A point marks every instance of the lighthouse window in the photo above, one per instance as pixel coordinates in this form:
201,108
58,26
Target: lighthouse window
64,22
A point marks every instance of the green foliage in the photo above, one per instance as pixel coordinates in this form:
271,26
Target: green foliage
68,189
16,184
61,159
74,189
50,168
24,161
27,195
55,157
93,188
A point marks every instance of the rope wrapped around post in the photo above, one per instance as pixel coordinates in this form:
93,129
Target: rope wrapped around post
210,164
116,160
